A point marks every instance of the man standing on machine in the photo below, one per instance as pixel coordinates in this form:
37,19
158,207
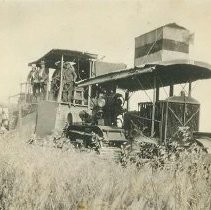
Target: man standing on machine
69,79
44,79
33,79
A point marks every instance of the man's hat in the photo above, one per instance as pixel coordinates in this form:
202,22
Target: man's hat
69,62
57,63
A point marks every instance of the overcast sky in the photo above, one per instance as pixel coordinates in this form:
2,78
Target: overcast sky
28,29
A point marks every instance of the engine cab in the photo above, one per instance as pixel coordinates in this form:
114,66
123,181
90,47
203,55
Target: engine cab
107,106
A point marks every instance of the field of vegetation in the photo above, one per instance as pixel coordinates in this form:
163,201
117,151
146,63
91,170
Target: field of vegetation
34,177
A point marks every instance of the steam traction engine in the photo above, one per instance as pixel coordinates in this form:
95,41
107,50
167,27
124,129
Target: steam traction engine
98,129
98,116
157,122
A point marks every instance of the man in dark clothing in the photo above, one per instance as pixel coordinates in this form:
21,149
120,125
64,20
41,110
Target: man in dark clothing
56,79
44,78
33,79
69,79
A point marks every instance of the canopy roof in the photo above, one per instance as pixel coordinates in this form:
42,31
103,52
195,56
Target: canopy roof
69,55
142,78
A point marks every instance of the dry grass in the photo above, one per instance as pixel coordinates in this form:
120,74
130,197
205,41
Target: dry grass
33,177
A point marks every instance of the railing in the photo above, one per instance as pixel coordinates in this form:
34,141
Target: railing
26,96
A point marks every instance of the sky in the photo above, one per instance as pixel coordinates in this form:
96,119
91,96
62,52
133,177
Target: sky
29,29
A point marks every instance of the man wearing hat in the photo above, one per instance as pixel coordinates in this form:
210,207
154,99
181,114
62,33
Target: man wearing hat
69,79
33,79
44,78
56,78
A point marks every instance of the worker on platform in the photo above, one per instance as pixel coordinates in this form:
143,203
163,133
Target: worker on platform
33,79
69,79
43,79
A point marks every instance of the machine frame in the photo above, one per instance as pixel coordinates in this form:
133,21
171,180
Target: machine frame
156,76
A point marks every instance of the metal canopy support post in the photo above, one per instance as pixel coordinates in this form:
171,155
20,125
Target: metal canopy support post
171,90
157,92
127,98
184,112
189,89
166,122
61,81
153,108
91,65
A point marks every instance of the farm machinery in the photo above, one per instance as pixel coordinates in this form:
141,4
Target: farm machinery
99,115
155,124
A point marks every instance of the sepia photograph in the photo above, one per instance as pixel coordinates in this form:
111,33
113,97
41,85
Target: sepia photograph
105,105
